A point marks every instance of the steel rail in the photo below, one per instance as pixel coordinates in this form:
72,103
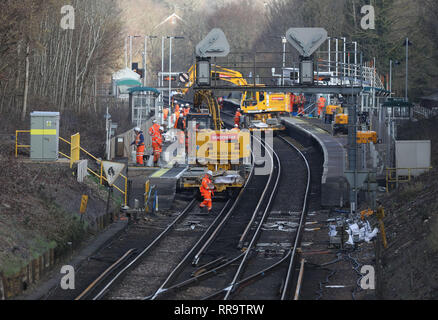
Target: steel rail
214,234
207,274
183,262
206,244
148,248
301,224
290,253
103,276
231,287
262,197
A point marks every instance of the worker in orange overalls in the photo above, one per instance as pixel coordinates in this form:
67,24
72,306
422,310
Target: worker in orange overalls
157,141
186,110
165,113
292,102
139,144
180,122
321,105
206,190
301,102
237,117
296,103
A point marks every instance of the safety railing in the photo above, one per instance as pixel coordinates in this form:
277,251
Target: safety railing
17,146
393,175
75,150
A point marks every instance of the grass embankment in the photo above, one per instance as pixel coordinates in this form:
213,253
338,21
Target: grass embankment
409,263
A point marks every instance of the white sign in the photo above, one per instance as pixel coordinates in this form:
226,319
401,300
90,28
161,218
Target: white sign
306,40
112,170
215,44
184,77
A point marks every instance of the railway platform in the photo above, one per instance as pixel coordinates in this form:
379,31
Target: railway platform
334,186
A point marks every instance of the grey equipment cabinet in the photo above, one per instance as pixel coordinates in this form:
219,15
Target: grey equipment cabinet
44,136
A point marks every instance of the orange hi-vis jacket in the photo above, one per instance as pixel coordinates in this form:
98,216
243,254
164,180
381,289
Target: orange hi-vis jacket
177,113
138,139
205,188
297,99
165,113
321,102
237,118
155,133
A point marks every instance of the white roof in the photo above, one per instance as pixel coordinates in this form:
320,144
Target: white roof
126,74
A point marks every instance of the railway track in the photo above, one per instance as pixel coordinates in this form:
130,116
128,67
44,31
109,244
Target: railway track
240,255
122,280
133,268
252,264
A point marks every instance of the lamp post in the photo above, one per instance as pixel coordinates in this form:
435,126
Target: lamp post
145,58
344,40
284,41
170,65
355,60
391,62
407,43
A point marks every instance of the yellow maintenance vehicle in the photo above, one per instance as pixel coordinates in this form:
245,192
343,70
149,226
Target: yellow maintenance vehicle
338,117
227,153
340,124
261,110
364,137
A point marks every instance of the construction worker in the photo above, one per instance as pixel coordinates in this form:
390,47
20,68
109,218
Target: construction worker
180,122
139,144
301,102
206,190
292,103
157,141
165,114
321,105
186,110
237,117
235,129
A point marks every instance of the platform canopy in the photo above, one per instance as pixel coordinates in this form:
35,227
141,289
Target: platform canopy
126,74
144,89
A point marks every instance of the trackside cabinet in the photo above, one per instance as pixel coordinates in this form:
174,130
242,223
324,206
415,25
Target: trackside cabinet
44,136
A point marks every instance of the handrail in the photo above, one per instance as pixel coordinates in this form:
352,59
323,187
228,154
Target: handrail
100,176
16,141
89,154
62,139
397,179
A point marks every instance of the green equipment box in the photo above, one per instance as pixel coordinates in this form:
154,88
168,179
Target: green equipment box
44,136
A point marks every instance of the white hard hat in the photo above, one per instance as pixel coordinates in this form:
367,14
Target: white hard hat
137,129
161,128
236,125
155,121
210,173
